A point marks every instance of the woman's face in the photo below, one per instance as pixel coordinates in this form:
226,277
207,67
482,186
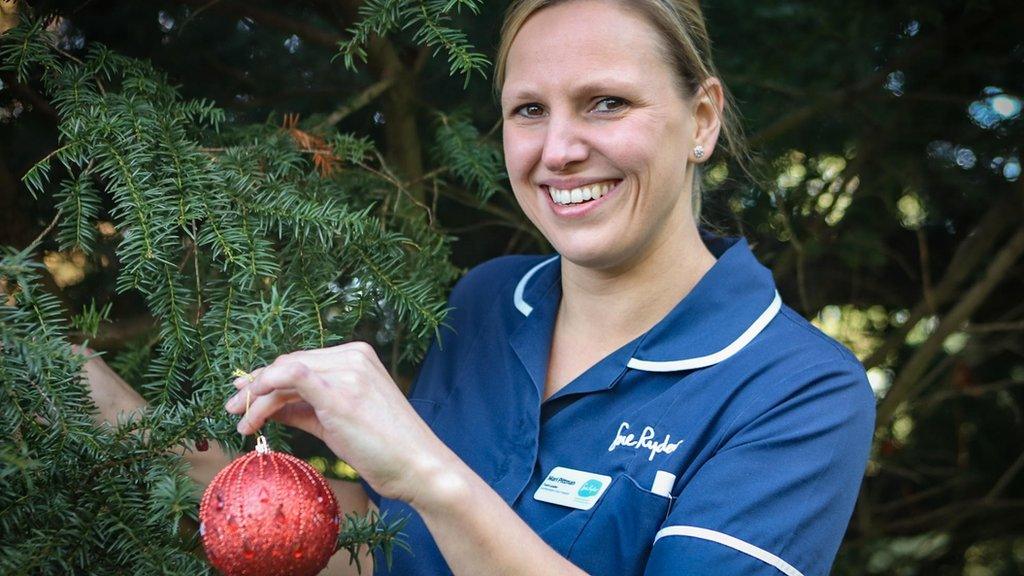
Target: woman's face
588,100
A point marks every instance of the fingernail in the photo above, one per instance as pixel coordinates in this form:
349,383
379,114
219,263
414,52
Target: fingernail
232,404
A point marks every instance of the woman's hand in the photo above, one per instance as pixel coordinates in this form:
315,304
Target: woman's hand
112,395
345,396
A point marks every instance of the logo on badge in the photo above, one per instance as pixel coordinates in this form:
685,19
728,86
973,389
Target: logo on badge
589,488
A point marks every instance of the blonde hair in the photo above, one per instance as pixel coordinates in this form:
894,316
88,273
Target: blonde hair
686,48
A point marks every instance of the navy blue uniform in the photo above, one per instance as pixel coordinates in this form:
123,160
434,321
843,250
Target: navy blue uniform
729,439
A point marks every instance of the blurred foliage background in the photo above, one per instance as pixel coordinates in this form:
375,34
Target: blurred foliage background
888,140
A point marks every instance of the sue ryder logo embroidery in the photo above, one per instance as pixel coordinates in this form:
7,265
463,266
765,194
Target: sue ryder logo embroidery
646,440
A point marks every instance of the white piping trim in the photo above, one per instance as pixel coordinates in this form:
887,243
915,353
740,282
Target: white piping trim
703,361
734,543
518,296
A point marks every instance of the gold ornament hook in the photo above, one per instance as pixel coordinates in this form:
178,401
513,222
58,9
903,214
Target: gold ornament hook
262,447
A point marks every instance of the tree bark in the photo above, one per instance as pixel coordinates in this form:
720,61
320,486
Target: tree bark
971,252
907,383
402,142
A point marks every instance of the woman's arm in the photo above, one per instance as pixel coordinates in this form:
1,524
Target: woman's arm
114,397
476,531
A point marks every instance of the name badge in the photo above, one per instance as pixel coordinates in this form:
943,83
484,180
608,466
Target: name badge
572,488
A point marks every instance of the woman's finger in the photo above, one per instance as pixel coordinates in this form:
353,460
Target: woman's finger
321,360
304,356
290,376
300,415
237,404
263,407
292,373
249,389
296,412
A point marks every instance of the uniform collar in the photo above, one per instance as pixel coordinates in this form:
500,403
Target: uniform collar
730,305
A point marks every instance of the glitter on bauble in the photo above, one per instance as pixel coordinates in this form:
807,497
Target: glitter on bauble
269,513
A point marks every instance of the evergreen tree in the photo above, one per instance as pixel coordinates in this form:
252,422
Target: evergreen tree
246,241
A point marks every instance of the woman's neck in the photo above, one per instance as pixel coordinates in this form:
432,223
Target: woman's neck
621,304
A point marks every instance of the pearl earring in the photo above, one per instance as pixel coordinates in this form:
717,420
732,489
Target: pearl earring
698,151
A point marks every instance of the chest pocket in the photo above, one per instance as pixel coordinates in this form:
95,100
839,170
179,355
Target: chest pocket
617,536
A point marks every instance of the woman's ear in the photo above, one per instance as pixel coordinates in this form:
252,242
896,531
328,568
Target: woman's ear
708,103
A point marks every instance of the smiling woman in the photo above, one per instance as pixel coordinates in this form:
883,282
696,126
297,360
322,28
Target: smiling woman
643,401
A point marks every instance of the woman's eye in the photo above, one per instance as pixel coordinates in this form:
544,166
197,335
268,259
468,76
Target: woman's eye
527,108
617,104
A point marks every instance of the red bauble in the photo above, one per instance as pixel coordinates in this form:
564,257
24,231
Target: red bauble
269,513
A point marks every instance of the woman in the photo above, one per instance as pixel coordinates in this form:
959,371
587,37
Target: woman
641,402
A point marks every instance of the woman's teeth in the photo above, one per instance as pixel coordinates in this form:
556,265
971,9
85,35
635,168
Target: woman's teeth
582,194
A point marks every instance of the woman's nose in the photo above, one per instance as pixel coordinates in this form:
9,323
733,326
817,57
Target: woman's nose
563,145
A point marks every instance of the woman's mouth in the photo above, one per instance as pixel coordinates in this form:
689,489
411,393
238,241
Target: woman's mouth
578,202
582,194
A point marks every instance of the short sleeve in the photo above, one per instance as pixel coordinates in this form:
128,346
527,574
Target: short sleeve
777,496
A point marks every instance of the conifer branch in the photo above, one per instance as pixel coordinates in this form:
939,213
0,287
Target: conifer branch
237,239
46,231
383,17
474,160
374,532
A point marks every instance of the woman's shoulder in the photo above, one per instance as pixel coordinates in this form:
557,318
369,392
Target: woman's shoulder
793,385
802,335
803,362
791,362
